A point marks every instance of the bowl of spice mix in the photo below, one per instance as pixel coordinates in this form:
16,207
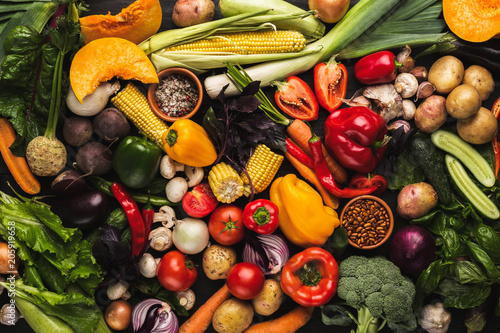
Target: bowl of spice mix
368,221
178,94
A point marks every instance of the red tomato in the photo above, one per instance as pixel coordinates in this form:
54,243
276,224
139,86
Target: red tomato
245,280
297,99
200,201
226,224
176,272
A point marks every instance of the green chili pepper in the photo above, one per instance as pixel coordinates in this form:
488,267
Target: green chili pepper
136,160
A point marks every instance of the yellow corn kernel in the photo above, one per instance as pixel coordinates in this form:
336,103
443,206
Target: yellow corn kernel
225,183
134,105
261,167
249,42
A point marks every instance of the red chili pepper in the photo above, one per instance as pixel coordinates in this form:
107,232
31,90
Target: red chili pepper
261,216
310,277
298,153
326,177
296,98
134,217
148,216
496,147
330,84
376,68
361,180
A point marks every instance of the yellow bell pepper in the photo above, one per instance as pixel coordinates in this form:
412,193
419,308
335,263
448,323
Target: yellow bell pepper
188,143
304,220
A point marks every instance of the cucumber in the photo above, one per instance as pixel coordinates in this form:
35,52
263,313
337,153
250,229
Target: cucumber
470,157
469,189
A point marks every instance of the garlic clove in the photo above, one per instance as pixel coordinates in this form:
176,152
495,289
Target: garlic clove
420,72
425,89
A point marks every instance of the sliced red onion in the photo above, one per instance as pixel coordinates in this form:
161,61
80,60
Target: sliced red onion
269,252
155,316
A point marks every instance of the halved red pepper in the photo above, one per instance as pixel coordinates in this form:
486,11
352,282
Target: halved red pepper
261,216
310,277
296,98
364,180
376,68
330,84
496,147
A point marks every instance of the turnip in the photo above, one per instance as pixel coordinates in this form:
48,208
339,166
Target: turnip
110,124
94,158
77,130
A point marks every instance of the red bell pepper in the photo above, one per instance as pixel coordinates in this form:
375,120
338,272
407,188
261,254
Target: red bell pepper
362,180
261,216
376,68
356,137
330,84
310,277
496,147
296,98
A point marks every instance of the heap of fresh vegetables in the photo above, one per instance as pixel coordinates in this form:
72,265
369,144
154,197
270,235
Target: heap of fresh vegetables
129,217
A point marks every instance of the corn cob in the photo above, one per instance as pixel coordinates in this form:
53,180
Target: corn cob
134,105
262,167
249,42
225,183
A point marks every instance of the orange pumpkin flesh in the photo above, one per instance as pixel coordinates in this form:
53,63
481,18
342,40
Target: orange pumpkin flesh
473,20
137,22
105,58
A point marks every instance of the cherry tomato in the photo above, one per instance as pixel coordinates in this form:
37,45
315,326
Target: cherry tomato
226,224
176,272
245,280
297,99
200,201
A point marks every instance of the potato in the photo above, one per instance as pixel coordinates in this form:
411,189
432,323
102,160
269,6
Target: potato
446,74
478,129
481,79
431,114
269,299
218,260
190,12
416,200
463,101
232,316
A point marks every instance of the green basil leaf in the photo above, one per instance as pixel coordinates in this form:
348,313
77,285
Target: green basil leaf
462,296
478,254
334,314
451,243
489,240
429,218
429,279
469,272
337,242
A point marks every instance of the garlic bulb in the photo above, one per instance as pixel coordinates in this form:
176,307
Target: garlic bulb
93,103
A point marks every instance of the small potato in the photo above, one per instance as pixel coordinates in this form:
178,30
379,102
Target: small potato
446,74
232,316
478,129
481,79
191,12
269,299
463,101
218,260
431,114
416,200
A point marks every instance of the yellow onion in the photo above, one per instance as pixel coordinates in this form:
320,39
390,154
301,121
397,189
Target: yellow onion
329,11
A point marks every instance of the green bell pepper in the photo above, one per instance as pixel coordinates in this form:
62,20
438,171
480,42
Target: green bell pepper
136,160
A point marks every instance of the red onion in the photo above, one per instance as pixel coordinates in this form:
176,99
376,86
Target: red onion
269,252
155,316
412,249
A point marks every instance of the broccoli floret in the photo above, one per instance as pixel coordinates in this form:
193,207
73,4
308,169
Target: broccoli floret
377,289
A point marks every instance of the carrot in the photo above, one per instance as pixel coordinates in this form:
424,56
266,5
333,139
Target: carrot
300,133
309,174
288,323
17,165
201,319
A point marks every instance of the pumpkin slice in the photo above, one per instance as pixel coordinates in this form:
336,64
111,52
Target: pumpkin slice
137,22
105,58
473,20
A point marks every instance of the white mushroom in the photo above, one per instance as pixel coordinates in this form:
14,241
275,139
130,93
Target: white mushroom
147,265
117,290
186,298
160,239
169,167
126,296
194,175
166,215
406,85
176,189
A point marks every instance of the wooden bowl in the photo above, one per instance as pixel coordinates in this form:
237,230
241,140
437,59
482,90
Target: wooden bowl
161,75
362,216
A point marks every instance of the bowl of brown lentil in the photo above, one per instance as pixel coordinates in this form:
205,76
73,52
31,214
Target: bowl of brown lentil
178,94
368,221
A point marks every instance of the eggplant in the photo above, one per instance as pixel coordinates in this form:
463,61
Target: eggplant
85,210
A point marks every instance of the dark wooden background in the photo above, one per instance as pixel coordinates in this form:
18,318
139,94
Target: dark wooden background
205,287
